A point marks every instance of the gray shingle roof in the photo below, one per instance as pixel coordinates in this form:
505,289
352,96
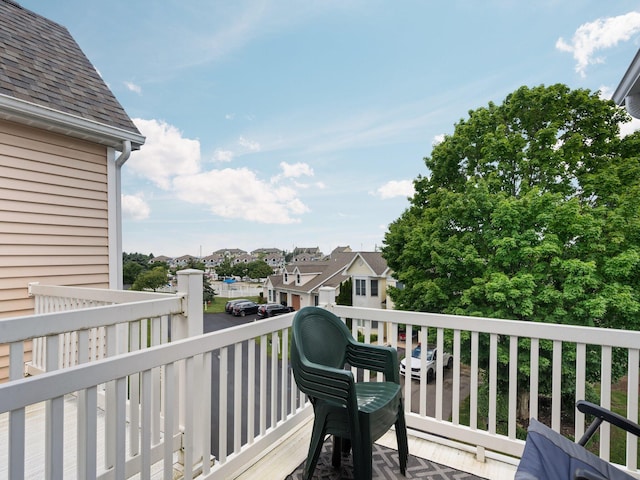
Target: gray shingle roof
41,63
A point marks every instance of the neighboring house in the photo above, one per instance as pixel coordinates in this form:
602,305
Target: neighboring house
306,254
161,259
183,261
298,285
229,252
370,275
275,261
242,258
63,140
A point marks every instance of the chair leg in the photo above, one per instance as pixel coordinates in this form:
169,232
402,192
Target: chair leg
361,451
336,455
317,439
401,437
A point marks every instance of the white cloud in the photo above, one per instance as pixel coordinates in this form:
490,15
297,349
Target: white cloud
630,127
598,35
395,188
437,140
239,193
249,145
165,154
173,164
296,169
135,207
223,155
133,87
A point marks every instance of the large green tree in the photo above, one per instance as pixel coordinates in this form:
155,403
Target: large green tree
151,279
531,211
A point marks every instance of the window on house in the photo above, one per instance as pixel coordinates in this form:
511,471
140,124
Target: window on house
286,277
361,287
298,278
374,288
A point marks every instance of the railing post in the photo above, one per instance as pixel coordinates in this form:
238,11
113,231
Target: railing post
326,296
190,324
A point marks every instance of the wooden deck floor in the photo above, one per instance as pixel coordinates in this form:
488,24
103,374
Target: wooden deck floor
292,452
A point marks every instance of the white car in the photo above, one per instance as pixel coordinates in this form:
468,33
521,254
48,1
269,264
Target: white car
432,355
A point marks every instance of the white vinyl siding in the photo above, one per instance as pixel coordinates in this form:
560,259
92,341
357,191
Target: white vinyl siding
53,214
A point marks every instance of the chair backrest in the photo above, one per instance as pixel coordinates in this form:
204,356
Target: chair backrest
320,337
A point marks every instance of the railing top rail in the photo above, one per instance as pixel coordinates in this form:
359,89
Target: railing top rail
15,329
95,294
27,391
548,331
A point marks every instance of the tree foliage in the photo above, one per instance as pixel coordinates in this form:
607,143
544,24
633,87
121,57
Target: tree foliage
530,212
345,296
151,279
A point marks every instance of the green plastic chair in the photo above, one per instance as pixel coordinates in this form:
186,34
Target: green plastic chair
355,413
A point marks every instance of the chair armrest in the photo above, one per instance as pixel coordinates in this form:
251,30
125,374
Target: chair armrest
374,357
602,414
326,383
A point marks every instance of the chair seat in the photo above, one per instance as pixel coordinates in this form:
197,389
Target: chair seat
378,402
373,396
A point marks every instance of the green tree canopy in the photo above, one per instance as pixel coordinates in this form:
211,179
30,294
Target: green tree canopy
225,269
258,269
530,212
151,279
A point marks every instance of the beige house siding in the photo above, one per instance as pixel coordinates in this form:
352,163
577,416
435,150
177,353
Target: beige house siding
53,214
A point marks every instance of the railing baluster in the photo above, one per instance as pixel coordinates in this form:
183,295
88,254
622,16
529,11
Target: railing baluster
205,415
581,375
283,373
169,378
556,385
455,395
222,412
439,372
473,382
251,387
633,373
145,426
263,384
605,401
513,385
274,379
493,381
134,393
424,339
237,397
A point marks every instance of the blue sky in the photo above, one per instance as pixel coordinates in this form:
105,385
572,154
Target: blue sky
279,123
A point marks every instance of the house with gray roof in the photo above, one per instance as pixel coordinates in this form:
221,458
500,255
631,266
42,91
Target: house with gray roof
298,285
64,138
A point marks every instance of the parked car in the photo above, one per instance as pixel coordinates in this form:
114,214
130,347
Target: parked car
273,309
245,308
402,334
229,305
431,355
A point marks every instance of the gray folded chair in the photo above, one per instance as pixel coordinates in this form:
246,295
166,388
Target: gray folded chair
550,456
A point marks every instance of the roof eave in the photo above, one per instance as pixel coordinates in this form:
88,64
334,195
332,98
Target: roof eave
27,113
629,82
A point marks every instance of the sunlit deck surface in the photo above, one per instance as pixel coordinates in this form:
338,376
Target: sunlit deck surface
284,459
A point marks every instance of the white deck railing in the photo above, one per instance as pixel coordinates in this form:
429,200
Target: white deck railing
231,393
